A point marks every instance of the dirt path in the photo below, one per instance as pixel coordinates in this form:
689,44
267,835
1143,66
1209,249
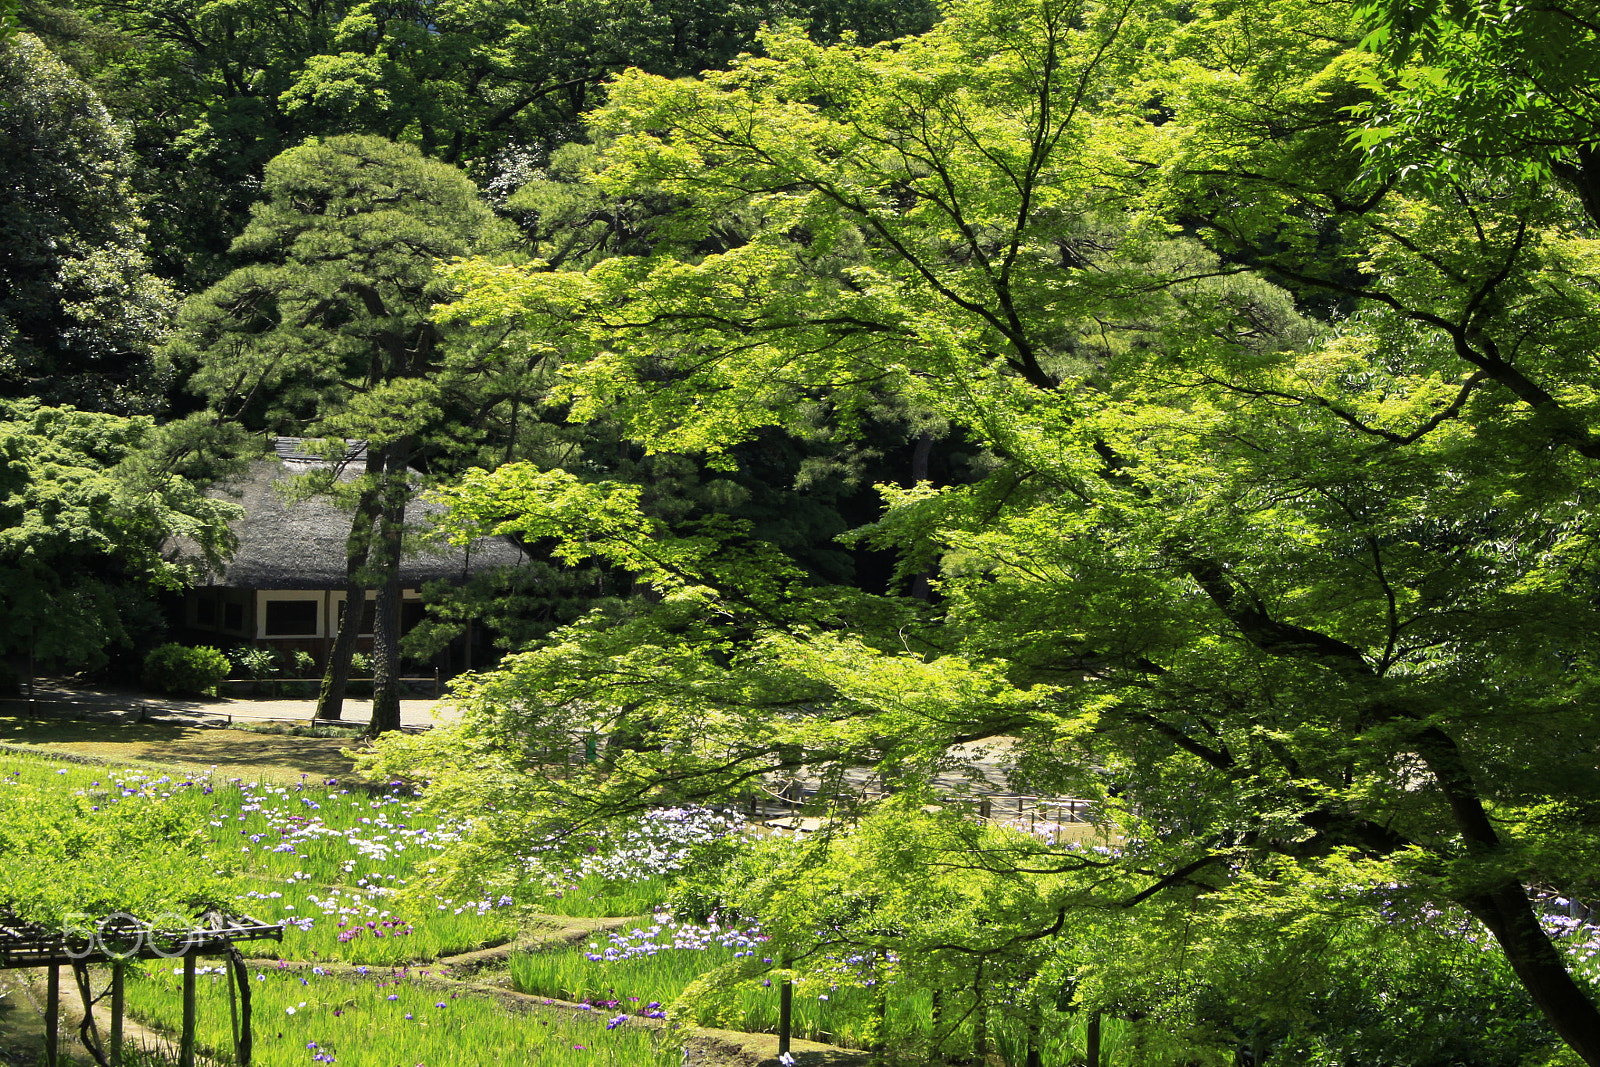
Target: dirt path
22,1037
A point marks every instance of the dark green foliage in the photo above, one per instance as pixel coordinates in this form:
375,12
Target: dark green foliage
1497,86
327,325
520,606
212,92
179,669
80,312
87,507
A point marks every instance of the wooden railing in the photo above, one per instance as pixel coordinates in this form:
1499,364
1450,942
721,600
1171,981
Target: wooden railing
1042,815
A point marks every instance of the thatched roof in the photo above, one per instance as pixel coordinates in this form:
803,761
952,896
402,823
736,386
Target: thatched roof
301,544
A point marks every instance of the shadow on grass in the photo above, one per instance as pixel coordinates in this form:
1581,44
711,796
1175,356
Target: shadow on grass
234,753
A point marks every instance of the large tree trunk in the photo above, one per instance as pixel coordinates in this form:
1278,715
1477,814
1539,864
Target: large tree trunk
386,624
336,672
1538,965
1505,908
1582,175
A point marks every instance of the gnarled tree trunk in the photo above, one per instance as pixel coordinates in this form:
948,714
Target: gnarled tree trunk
386,623
336,672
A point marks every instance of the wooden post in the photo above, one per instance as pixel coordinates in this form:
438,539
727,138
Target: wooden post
186,1039
241,976
233,1006
52,1015
785,1012
117,1007
985,808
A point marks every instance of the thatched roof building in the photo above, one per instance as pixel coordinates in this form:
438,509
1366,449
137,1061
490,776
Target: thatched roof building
300,544
285,584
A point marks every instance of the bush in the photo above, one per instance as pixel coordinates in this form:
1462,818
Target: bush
181,669
256,662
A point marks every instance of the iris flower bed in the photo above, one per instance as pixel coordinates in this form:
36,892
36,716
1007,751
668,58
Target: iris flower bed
596,896
323,860
639,966
388,1018
623,870
326,862
644,969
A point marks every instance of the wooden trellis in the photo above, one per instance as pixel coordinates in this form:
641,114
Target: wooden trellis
117,939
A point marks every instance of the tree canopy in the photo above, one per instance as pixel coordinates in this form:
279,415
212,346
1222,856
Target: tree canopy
80,311
1283,546
327,329
86,524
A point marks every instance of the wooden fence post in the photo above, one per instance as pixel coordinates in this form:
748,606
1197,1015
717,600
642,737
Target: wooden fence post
785,1011
244,1046
233,1006
186,1038
52,1016
116,1014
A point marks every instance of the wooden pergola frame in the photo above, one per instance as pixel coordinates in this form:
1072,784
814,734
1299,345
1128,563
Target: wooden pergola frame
24,944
